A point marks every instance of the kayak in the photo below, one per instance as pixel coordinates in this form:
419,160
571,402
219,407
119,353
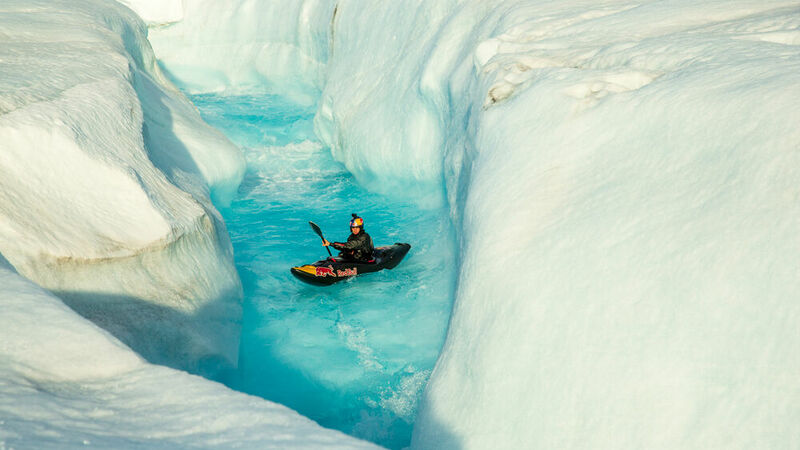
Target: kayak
334,269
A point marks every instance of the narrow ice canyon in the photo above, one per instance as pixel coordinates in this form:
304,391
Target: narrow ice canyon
606,193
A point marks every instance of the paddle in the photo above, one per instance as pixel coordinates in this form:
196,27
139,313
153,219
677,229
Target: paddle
319,233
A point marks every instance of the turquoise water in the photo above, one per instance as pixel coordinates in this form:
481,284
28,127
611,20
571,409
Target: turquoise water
354,356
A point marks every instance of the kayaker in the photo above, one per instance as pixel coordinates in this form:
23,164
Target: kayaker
359,244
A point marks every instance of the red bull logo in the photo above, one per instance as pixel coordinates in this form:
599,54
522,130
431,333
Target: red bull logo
325,271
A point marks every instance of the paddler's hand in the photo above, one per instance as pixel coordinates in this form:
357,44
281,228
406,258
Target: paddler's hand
325,243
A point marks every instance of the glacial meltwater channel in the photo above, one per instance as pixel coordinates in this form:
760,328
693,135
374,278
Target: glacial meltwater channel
354,356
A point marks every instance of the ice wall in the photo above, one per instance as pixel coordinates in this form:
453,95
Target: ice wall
65,383
105,176
628,189
157,12
361,61
246,45
624,177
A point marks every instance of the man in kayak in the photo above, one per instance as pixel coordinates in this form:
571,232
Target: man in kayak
359,244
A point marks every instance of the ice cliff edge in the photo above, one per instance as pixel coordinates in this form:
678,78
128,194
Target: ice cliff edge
107,174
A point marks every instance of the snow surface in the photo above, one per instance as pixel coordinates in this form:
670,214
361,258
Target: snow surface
625,177
106,172
65,383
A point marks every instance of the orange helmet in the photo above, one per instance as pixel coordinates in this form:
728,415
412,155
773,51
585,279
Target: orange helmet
356,222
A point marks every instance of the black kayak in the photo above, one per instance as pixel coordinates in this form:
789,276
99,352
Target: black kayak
331,270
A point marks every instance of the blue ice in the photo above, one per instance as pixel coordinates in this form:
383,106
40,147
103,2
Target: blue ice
354,356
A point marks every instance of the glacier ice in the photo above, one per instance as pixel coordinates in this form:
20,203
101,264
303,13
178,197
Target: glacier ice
639,172
624,179
66,383
157,12
107,173
624,176
250,46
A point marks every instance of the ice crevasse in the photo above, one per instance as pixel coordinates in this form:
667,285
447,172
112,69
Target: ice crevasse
623,176
624,180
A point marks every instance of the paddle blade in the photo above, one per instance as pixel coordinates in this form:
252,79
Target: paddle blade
316,229
319,233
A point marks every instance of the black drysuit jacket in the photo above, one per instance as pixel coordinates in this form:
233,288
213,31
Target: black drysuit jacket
358,246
